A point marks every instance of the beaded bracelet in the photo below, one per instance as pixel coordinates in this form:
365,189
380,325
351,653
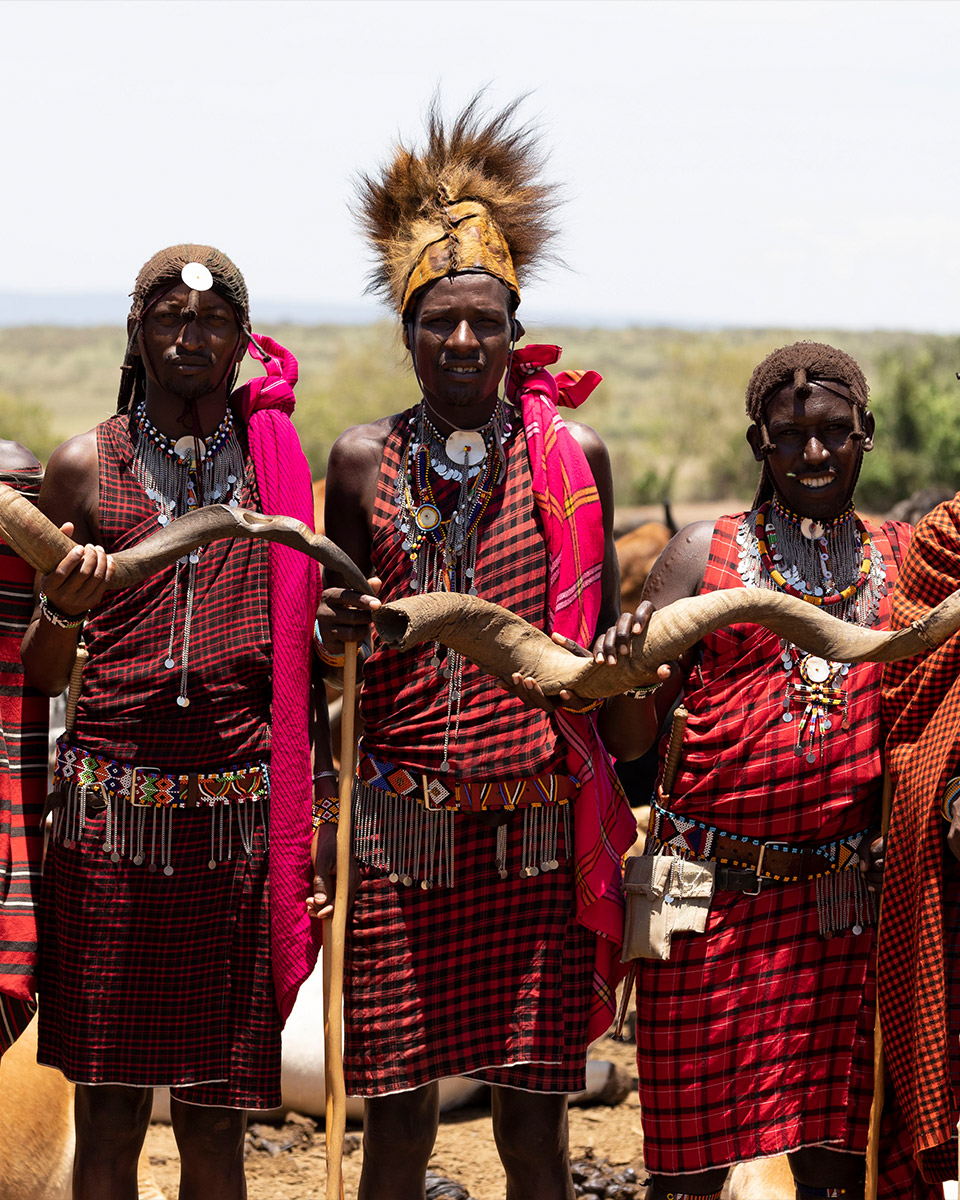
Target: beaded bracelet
326,811
328,659
62,620
950,794
641,693
592,706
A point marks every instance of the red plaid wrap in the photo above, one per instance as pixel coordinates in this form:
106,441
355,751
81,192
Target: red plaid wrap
153,980
490,978
920,935
23,778
760,1009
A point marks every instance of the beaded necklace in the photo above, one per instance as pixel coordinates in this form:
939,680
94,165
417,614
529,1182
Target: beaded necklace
178,476
812,560
768,540
443,550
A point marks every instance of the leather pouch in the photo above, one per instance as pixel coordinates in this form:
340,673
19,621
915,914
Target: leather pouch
664,895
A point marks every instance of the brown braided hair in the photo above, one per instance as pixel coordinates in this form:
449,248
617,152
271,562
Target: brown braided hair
802,364
157,275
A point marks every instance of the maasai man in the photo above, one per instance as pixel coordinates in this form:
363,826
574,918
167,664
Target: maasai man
488,905
23,772
919,952
756,1035
191,722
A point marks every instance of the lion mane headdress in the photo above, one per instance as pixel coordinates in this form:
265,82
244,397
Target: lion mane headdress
470,201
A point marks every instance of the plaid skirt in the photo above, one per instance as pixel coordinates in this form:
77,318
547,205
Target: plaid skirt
756,1037
490,978
149,981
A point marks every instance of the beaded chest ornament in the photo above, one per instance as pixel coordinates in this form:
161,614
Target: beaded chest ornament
179,476
443,551
806,559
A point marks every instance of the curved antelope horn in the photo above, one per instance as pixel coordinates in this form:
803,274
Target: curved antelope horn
40,543
500,642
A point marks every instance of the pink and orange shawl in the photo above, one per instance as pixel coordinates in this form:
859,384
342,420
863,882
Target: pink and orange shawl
567,496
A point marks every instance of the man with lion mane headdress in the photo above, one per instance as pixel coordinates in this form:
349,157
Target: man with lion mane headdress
486,922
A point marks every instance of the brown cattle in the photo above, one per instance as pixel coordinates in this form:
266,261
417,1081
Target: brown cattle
36,1129
637,551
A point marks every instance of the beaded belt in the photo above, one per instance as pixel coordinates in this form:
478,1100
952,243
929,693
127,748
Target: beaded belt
434,792
140,803
405,822
843,901
146,787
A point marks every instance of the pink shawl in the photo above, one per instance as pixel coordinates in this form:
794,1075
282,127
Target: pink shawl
284,485
566,494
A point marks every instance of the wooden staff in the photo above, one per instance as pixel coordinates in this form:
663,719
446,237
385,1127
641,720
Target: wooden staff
334,942
876,1108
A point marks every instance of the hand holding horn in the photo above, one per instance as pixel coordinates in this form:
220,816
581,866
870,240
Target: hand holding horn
500,643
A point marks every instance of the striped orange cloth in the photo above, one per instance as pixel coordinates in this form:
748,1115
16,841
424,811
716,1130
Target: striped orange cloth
919,954
23,779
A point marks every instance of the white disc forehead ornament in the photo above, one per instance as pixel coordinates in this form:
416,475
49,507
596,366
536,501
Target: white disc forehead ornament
196,276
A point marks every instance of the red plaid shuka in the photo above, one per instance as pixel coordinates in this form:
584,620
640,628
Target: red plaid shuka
490,978
128,706
148,979
404,700
919,951
23,777
761,1039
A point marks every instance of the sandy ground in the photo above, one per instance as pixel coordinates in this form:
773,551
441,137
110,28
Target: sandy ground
287,1162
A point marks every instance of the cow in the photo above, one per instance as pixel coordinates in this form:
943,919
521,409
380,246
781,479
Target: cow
36,1129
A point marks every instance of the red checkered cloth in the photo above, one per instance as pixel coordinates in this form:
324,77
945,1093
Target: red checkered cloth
23,778
404,698
919,951
762,1037
153,980
128,706
490,978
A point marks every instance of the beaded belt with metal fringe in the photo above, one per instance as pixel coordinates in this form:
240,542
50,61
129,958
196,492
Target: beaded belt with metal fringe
404,821
843,901
140,803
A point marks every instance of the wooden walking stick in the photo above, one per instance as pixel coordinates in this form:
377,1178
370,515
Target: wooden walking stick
334,942
876,1108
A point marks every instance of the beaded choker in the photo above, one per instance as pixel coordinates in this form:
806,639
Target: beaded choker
179,476
825,593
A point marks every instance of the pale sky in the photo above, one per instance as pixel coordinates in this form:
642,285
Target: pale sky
734,162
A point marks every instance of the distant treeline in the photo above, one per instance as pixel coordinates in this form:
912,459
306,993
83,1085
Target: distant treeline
670,408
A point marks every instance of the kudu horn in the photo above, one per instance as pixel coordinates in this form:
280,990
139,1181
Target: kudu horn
40,543
499,642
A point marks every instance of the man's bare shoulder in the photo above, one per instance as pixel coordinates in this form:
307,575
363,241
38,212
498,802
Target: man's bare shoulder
678,572
75,457
360,448
14,457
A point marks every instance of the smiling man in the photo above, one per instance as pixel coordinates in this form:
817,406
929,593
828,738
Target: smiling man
191,726
755,1035
488,905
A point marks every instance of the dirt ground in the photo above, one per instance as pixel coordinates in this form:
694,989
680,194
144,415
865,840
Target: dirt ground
287,1162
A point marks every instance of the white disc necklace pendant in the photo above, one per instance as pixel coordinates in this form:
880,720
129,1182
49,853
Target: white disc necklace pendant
186,448
816,669
466,447
811,530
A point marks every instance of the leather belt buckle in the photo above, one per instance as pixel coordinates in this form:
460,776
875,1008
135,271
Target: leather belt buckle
133,787
757,869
